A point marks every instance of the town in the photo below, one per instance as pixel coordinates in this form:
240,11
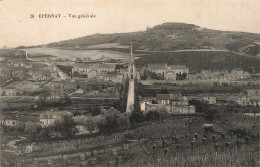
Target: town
83,111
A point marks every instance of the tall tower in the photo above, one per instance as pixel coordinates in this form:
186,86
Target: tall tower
131,88
131,66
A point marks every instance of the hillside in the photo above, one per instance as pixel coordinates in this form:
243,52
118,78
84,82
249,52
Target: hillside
171,36
217,60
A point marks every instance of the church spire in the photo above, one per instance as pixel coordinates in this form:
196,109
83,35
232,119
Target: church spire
132,56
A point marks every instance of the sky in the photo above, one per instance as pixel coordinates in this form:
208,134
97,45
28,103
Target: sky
115,16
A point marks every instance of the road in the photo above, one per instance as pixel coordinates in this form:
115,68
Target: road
186,50
61,73
130,97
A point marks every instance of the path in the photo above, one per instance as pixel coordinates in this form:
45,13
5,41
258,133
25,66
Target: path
61,73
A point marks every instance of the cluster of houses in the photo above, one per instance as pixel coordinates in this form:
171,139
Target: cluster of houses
219,75
98,71
169,72
250,97
16,121
45,119
22,88
173,103
24,69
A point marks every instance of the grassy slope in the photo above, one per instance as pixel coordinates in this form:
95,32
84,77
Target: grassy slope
171,36
203,60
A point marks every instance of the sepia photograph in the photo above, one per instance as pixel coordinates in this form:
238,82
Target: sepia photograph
129,83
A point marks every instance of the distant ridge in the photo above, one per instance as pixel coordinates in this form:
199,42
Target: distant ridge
169,37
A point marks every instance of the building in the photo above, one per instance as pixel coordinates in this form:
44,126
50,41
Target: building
79,91
171,108
163,98
243,100
159,69
47,118
210,99
10,91
131,74
85,68
175,99
9,120
144,103
173,103
113,77
178,69
240,99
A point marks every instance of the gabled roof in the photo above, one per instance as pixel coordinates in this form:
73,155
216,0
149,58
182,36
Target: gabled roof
177,66
237,69
157,66
94,65
163,96
52,113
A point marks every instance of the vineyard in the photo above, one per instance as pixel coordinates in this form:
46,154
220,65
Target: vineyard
175,141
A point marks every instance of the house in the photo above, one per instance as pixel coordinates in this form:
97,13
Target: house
208,127
19,74
163,98
159,69
237,73
47,118
243,100
171,108
178,69
10,91
114,77
42,78
144,103
253,92
210,99
173,103
85,68
79,91
184,109
9,121
162,69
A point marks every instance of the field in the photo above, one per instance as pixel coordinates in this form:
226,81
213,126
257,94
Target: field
68,54
175,141
197,60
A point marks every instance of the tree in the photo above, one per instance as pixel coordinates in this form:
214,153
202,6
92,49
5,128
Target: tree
123,121
66,126
46,132
162,112
76,74
90,124
33,130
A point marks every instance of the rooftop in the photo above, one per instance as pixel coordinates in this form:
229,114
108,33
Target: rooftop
157,66
162,96
52,113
